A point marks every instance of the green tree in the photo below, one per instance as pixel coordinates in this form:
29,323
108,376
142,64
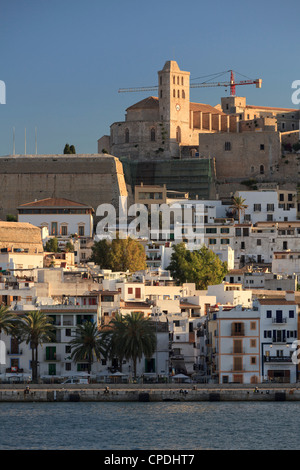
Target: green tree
67,149
51,245
87,344
35,328
7,320
112,337
119,254
238,206
132,337
11,218
202,267
72,149
69,247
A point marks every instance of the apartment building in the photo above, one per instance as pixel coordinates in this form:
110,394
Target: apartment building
237,358
278,330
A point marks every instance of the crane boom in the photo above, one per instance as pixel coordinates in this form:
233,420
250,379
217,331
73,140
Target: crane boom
232,84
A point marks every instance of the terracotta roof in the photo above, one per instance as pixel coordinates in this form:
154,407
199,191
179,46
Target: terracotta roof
136,305
205,108
271,108
53,202
150,102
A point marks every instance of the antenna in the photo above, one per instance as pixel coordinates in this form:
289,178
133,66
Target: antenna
35,141
13,141
25,141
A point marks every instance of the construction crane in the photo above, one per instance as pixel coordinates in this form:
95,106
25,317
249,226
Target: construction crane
231,83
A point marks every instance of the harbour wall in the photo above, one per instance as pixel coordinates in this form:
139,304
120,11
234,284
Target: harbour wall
142,393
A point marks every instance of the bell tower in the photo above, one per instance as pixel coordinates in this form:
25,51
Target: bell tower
174,105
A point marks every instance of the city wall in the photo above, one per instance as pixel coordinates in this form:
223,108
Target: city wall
88,179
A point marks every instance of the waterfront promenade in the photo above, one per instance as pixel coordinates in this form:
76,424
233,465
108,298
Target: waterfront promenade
148,392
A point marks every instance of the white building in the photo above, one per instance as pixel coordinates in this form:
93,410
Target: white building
238,346
231,294
264,205
62,217
278,327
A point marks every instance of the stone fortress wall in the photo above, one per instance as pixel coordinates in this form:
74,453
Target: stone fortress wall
89,179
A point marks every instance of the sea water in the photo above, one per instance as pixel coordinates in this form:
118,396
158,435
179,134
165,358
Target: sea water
150,426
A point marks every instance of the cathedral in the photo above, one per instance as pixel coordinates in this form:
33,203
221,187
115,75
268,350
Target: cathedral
159,127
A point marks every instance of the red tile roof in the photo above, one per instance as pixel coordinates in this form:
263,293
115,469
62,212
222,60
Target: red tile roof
54,202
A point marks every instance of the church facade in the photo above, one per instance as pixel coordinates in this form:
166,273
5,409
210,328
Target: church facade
159,127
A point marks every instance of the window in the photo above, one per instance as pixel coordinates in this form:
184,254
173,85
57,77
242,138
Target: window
257,207
262,169
152,134
291,313
183,94
237,363
212,241
211,230
270,207
81,230
126,136
262,147
54,228
269,313
227,145
178,135
252,343
130,290
225,230
237,329
237,346
253,360
64,230
258,242
225,241
253,325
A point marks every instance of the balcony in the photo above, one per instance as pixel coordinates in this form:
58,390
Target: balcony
52,357
279,320
15,353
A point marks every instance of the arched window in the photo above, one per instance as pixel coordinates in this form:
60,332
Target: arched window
177,80
262,169
183,94
178,93
126,136
174,93
152,134
173,79
181,80
178,135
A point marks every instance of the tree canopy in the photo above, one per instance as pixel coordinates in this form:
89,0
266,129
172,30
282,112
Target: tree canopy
202,267
69,149
119,254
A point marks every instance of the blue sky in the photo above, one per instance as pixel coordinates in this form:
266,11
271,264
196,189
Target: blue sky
63,61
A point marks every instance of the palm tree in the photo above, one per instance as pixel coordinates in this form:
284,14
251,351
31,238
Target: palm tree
112,337
136,337
6,325
6,319
87,344
238,206
35,328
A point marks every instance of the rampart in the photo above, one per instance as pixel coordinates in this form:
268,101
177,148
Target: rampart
91,179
